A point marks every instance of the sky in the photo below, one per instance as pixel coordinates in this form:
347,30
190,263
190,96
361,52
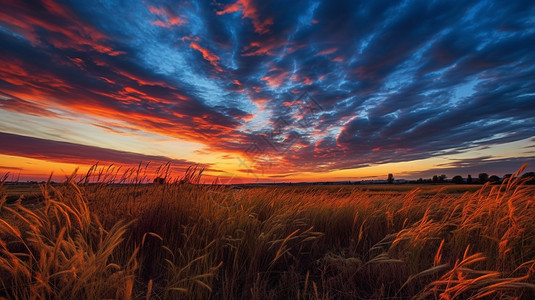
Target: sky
268,91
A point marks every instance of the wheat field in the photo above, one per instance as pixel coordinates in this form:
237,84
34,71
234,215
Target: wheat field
93,238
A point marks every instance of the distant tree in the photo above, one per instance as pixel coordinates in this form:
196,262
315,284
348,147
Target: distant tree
435,179
483,177
420,180
442,178
458,179
494,179
469,179
390,179
529,176
159,180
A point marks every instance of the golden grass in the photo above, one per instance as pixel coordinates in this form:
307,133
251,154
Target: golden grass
98,240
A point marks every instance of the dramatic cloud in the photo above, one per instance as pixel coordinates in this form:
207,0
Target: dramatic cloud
64,152
289,86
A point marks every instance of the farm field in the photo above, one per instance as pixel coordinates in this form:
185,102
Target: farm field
248,149
188,241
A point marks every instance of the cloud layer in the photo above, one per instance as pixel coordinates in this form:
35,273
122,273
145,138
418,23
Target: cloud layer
310,85
64,152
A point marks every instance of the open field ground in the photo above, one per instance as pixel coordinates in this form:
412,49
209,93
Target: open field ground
32,190
169,241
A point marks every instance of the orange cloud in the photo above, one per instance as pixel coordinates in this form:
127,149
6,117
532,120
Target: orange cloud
208,55
277,80
260,101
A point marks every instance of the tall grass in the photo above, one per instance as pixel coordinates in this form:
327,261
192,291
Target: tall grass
94,239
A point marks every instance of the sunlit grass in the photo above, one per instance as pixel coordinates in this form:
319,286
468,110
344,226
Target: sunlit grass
94,239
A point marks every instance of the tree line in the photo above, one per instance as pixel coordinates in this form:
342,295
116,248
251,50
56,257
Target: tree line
528,177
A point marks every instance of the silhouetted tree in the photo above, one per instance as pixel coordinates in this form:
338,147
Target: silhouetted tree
469,179
483,177
457,179
435,179
494,179
442,178
390,178
529,176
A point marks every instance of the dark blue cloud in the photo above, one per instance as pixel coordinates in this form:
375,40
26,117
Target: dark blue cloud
475,166
65,152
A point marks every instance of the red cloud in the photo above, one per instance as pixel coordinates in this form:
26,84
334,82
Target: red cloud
265,47
123,98
338,59
169,18
157,11
68,31
140,81
305,79
248,10
328,51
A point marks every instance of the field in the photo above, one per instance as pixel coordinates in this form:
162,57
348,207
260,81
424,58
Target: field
96,240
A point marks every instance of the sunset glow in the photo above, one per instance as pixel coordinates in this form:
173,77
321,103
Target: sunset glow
268,91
